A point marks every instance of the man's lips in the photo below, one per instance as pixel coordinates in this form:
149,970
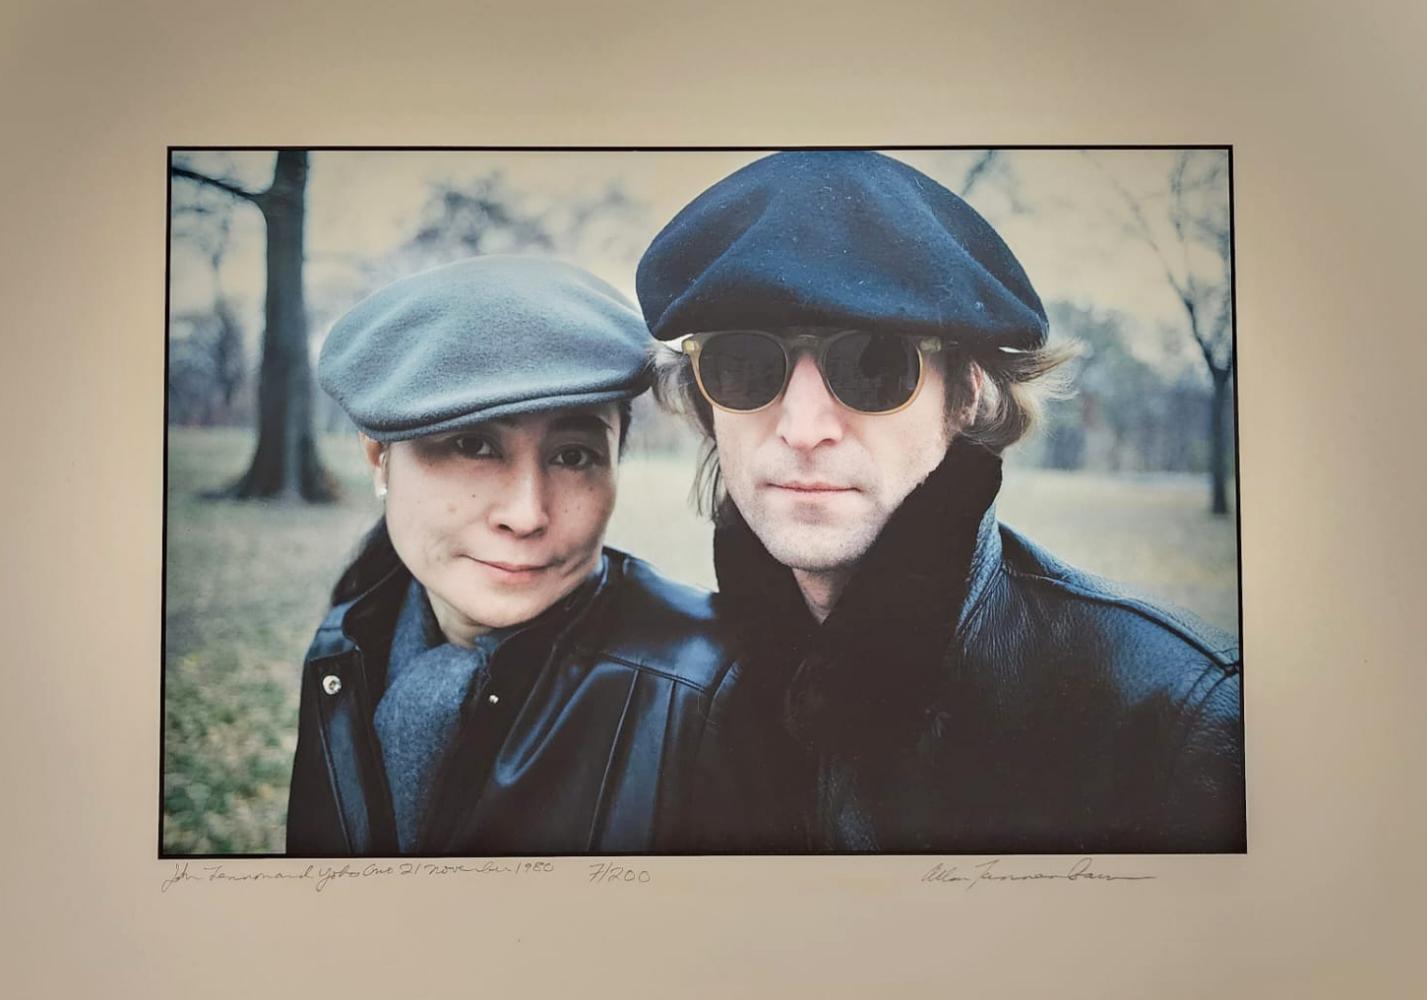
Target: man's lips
812,487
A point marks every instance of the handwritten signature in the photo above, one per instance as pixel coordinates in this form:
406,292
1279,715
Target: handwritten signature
320,876
987,871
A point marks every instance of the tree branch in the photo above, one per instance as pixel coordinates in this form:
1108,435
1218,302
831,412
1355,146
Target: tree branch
1143,231
222,185
982,164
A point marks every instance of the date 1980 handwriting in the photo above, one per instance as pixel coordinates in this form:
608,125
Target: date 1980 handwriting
320,876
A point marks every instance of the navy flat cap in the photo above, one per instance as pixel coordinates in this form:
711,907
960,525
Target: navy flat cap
479,339
842,239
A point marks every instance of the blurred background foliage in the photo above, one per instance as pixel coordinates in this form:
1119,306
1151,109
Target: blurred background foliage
1121,480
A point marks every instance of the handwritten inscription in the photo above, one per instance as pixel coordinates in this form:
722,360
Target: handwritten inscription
989,871
605,873
321,876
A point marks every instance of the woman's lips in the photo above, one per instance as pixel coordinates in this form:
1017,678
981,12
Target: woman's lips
514,571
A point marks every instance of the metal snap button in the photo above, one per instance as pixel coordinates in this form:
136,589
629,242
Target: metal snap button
331,684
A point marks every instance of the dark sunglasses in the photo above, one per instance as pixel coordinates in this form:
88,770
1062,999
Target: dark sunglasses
747,370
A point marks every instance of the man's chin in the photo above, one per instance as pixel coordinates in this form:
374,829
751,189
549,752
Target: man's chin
815,549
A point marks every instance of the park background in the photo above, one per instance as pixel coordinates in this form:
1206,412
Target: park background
1130,249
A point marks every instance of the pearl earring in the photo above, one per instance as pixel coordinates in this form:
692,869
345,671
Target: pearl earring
381,491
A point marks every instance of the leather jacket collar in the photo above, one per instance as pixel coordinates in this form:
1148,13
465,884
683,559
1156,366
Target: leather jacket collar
367,621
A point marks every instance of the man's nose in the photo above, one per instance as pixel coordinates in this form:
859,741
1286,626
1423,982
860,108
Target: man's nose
522,506
809,415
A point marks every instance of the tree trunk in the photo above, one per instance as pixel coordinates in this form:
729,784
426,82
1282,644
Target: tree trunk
285,463
1219,443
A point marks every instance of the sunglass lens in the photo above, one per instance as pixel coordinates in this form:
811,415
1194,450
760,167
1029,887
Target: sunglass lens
872,372
742,371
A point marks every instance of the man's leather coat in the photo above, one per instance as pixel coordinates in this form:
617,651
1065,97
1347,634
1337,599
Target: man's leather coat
969,693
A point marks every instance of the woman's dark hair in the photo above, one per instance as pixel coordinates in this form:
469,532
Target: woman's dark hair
626,414
376,556
375,559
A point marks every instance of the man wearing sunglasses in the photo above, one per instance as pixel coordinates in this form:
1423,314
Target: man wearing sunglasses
858,347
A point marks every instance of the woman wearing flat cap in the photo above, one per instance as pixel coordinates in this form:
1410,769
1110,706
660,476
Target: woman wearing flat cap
490,679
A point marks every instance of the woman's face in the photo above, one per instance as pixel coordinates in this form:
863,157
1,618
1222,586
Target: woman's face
501,521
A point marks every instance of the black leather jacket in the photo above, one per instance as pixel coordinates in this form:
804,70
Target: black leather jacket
586,748
971,694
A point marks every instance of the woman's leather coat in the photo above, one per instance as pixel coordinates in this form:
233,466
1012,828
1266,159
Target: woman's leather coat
581,742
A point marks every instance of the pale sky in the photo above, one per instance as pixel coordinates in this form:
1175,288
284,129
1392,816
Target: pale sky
1069,236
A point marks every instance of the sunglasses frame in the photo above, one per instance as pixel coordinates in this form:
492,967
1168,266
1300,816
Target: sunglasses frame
817,345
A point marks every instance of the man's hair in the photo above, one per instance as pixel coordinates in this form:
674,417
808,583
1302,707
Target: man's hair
1014,389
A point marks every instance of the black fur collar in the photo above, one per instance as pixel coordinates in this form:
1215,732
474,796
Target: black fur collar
865,675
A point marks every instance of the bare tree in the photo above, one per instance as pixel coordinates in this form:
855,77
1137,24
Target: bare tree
487,215
1194,248
229,360
209,229
285,462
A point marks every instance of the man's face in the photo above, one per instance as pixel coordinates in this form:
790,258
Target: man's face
501,521
817,481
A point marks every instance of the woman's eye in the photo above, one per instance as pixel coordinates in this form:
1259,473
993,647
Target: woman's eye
471,446
575,457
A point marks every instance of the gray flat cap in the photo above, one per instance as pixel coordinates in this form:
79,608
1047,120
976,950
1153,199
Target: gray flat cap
482,338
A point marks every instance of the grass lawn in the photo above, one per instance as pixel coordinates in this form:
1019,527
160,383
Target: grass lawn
247,584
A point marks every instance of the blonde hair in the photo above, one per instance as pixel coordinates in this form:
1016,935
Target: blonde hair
1015,386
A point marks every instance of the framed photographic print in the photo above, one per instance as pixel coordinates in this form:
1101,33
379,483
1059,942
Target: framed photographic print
949,432
951,348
